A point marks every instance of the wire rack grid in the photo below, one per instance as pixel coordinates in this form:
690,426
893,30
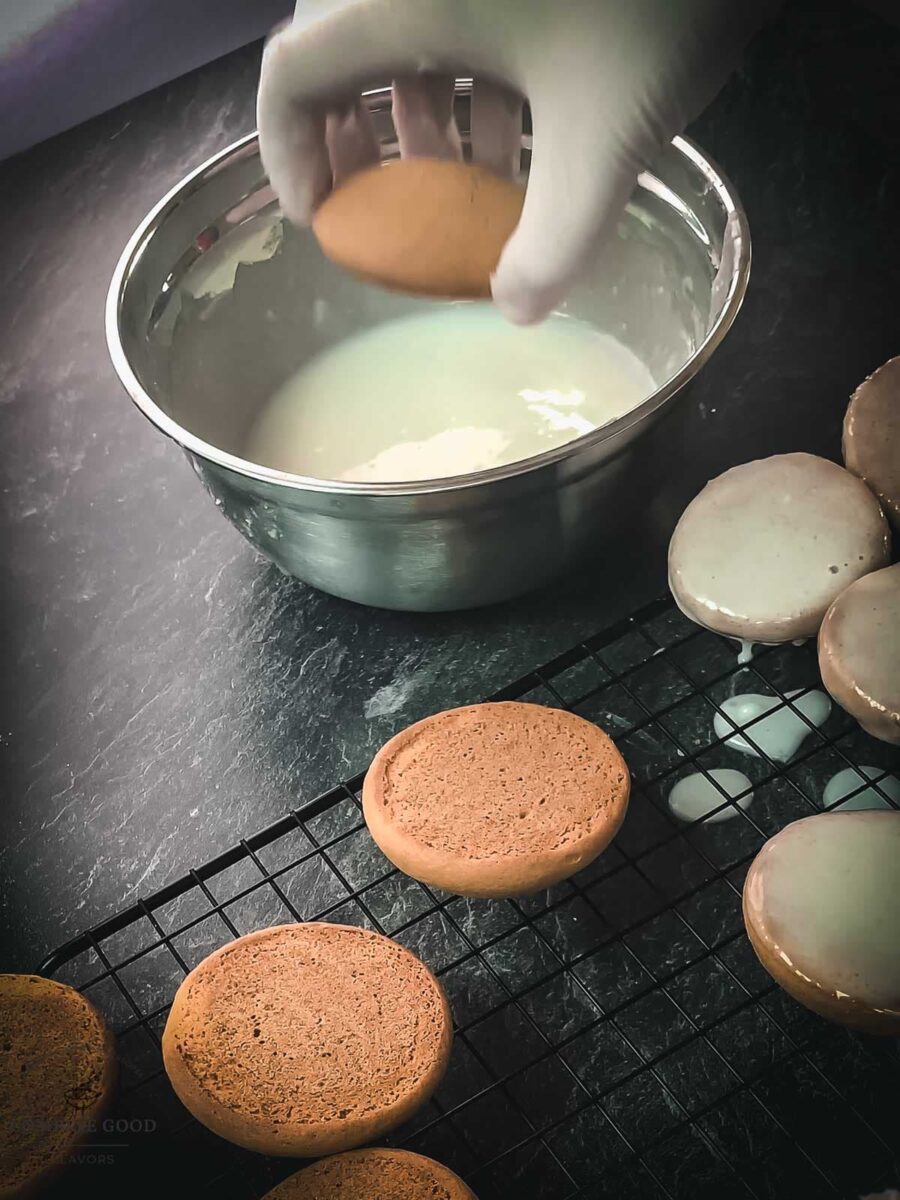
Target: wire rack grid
615,1033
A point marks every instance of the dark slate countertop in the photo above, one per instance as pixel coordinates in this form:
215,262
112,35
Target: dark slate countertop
165,691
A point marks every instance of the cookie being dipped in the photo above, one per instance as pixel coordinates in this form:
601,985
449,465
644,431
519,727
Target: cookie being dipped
307,1039
425,226
496,800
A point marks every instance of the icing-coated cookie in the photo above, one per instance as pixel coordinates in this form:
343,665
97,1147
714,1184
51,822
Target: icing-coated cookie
872,436
765,548
822,911
859,652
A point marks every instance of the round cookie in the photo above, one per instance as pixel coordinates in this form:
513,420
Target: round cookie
307,1039
859,652
373,1175
426,226
496,799
56,1075
872,436
765,548
822,911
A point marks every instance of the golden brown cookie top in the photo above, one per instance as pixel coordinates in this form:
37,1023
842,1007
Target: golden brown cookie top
56,1073
373,1175
309,1025
421,225
498,781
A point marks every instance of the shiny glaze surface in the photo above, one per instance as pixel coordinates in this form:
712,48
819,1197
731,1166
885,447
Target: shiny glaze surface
766,546
821,903
859,652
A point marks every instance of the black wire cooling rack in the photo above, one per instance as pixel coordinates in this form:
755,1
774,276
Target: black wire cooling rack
615,1035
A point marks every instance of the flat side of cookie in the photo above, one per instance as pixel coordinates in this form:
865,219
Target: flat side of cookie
424,226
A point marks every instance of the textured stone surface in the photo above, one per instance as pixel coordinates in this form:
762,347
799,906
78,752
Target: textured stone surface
164,691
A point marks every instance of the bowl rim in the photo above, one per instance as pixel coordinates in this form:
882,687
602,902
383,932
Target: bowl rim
202,449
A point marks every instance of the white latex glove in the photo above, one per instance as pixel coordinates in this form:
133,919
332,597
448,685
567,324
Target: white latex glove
609,83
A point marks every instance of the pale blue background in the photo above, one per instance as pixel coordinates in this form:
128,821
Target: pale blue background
62,61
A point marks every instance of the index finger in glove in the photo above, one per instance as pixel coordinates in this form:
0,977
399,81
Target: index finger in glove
298,89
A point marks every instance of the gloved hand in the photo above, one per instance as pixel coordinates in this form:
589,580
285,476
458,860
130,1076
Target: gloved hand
609,83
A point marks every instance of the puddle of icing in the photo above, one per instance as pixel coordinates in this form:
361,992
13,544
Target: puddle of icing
695,796
779,736
849,780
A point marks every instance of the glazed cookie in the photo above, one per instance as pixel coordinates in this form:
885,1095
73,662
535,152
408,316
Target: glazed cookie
373,1175
822,911
765,548
859,652
56,1075
422,225
307,1039
872,436
496,799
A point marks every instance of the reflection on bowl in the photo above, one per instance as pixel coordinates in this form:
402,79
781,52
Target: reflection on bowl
217,302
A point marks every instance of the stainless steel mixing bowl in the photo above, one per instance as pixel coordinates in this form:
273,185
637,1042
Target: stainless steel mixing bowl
215,302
